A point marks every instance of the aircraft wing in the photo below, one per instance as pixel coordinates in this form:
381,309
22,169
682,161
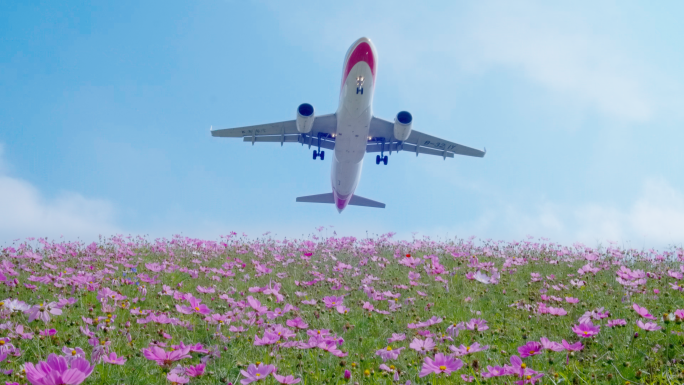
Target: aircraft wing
381,132
324,127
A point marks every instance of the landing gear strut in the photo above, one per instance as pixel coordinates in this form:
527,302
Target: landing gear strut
382,157
318,153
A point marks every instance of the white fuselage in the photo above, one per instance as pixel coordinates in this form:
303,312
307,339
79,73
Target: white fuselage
353,119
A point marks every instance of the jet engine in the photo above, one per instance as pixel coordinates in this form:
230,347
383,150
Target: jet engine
305,118
402,125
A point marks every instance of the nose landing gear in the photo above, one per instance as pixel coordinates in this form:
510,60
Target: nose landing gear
382,159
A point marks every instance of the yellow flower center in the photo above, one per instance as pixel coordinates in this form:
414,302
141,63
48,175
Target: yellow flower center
258,375
442,367
73,352
523,365
528,377
468,349
196,308
585,333
2,342
389,349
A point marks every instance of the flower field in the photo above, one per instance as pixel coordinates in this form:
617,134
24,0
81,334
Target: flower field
329,310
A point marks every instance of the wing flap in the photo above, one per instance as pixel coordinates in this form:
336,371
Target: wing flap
428,144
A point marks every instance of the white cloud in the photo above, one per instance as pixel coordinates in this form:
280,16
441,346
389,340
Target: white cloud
562,50
654,219
24,212
582,58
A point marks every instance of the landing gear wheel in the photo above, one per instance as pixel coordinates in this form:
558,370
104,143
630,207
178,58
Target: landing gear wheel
315,154
322,155
384,160
377,159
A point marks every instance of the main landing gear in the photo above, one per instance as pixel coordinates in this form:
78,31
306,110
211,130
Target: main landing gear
382,159
316,154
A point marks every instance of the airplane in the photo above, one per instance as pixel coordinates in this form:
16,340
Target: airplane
351,132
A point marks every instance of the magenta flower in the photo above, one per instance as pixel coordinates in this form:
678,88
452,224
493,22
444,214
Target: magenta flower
43,311
347,374
577,346
256,373
616,322
494,371
464,350
441,364
586,330
642,311
388,353
195,370
56,370
286,380
422,346
396,337
332,301
477,324
195,307
648,326
531,348
297,323
268,339
518,368
177,379
113,359
455,328
164,358
551,345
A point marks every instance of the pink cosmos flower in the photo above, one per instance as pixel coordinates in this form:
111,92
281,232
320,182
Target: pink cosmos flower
256,305
577,346
396,337
195,371
494,371
297,323
440,364
342,309
642,311
332,301
616,322
477,324
256,373
286,380
195,307
177,379
43,311
388,353
551,345
518,368
531,348
164,358
422,346
455,328
268,339
56,370
113,359
648,326
465,350
586,330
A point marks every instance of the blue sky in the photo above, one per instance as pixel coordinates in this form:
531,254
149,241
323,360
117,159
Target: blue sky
105,113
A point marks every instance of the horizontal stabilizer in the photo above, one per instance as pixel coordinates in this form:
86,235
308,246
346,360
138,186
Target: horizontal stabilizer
320,198
361,201
330,198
